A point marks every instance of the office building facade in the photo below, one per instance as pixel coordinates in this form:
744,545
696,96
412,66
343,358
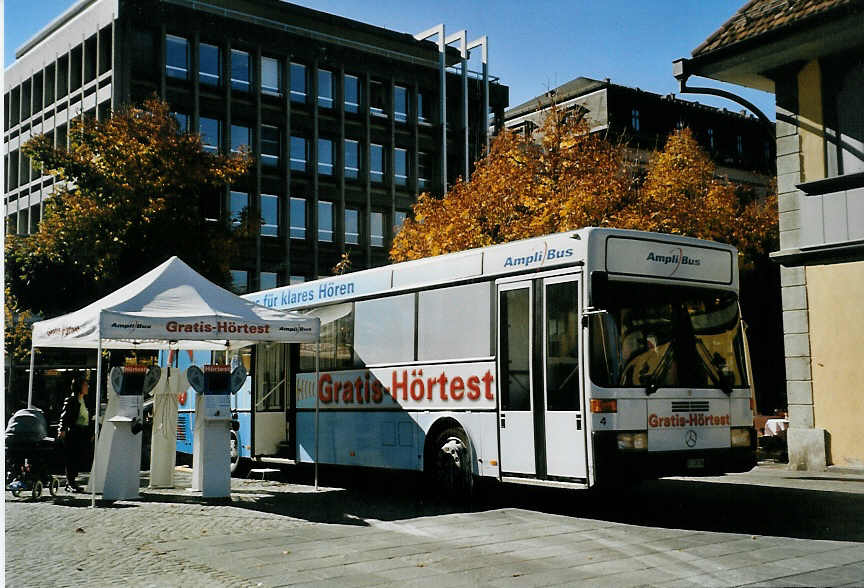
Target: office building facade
347,122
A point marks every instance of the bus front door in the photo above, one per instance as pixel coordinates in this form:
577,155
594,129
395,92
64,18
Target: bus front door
563,419
541,422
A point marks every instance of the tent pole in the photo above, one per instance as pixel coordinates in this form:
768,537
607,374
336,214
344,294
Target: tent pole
317,377
96,422
30,386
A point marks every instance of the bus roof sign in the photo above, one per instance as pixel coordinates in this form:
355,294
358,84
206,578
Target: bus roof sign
669,260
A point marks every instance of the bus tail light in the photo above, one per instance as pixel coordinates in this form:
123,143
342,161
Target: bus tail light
604,405
740,437
637,441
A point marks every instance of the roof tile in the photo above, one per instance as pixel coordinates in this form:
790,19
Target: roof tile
758,17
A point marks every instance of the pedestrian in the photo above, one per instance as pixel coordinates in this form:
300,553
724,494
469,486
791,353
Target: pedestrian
75,431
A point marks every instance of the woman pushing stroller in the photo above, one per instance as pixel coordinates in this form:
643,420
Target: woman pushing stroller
75,431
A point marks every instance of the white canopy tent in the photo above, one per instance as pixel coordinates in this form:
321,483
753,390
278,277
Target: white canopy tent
170,307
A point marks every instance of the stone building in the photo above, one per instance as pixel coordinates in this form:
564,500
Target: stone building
810,54
737,142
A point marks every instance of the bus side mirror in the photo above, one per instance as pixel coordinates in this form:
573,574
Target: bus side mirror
598,293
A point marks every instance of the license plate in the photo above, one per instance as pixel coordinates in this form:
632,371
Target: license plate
695,464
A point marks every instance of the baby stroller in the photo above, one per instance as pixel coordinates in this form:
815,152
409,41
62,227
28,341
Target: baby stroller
28,454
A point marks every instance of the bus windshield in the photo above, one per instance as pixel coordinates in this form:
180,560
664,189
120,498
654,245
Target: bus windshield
654,336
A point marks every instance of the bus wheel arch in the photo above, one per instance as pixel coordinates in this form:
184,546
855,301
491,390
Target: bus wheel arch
448,460
238,463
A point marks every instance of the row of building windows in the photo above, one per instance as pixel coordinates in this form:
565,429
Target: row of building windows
378,159
177,53
270,215
710,136
266,281
66,74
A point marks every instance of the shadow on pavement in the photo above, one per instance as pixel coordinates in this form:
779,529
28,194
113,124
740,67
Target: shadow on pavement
354,497
709,506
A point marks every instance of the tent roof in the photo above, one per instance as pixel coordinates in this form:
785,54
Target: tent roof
173,306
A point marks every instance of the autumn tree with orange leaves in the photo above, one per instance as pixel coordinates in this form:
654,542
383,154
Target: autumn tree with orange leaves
131,192
572,178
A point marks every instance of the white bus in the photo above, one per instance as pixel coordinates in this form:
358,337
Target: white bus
569,360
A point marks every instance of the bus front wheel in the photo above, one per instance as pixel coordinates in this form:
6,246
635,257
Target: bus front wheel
451,464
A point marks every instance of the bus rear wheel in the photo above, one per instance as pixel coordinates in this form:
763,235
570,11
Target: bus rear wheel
234,453
450,464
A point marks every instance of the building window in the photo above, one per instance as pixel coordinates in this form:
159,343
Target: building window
299,153
49,78
240,137
352,94
240,70
211,64
325,89
176,57
293,280
211,134
376,229
376,163
325,157
400,166
269,215
424,107
352,226
424,170
352,159
634,119
325,221
398,220
34,218
400,104
271,76
239,281
239,207
182,121
377,99
298,82
711,139
740,145
298,218
269,146
268,280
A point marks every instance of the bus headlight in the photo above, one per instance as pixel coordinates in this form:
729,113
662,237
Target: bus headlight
637,441
740,437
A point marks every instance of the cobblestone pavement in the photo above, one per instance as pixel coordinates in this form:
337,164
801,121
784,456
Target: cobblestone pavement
376,533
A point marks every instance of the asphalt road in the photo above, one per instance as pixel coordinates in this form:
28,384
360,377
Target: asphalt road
767,527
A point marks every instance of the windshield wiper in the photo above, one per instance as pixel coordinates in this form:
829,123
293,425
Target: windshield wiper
719,380
654,376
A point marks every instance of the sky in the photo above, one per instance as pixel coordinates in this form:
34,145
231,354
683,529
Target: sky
533,46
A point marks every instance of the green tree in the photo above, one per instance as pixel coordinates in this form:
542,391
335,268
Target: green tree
132,190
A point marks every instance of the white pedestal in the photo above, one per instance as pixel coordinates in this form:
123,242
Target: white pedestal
211,457
122,471
103,444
